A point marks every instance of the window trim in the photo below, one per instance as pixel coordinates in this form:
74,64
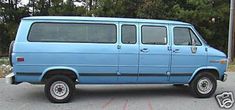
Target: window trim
135,33
73,41
154,26
189,29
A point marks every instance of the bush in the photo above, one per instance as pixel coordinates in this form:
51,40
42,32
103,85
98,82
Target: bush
4,60
5,68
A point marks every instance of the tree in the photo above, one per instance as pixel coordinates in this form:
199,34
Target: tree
11,15
117,8
210,17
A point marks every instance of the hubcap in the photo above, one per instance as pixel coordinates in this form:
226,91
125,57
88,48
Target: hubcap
59,90
204,85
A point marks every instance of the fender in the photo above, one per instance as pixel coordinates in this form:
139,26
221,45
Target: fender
59,68
203,68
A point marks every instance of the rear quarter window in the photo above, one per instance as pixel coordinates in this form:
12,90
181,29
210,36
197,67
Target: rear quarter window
72,32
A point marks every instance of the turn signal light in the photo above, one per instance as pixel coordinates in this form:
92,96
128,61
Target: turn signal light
223,61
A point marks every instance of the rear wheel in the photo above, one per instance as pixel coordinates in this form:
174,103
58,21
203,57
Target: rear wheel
59,89
203,85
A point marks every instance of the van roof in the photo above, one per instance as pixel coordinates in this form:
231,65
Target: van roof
74,18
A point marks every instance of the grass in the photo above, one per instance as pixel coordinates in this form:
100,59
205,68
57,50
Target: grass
1,74
231,67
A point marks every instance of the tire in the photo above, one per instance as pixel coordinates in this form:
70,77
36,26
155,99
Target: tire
203,85
10,52
59,89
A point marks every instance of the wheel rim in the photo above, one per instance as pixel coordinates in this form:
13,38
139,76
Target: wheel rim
59,90
204,85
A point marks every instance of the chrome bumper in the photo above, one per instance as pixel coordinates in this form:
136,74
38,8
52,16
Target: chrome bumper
10,78
224,78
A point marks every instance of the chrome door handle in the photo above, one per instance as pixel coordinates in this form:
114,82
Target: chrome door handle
176,50
144,50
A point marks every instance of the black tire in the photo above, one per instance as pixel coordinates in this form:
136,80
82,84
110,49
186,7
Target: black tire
63,80
194,85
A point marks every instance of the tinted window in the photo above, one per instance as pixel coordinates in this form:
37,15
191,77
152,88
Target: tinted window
184,36
68,32
128,34
154,35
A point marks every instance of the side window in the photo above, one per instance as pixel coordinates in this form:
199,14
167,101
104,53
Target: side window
128,34
73,32
185,36
154,35
182,36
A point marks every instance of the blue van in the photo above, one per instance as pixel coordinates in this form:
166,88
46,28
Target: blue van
63,51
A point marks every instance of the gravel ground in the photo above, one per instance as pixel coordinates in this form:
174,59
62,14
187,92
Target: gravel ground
112,97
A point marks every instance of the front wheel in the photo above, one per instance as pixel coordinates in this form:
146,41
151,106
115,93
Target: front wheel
203,85
59,89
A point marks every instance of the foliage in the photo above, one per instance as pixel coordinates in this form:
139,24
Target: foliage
5,68
210,17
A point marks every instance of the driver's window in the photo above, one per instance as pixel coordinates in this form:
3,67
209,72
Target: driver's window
185,36
182,36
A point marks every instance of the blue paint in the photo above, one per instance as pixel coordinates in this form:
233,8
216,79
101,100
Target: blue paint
113,63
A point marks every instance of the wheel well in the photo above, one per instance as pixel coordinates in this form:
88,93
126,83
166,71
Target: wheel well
212,71
69,73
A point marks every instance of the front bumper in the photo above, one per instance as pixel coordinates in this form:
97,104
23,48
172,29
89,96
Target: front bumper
10,78
224,77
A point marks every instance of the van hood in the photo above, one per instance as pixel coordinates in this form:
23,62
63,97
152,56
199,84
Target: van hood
215,52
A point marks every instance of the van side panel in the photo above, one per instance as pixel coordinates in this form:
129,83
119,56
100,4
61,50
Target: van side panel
91,60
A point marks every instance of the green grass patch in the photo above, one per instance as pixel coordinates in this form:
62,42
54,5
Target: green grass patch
231,66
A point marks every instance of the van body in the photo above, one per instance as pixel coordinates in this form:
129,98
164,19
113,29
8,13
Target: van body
62,51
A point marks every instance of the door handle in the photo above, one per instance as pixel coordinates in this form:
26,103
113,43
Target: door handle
144,50
176,50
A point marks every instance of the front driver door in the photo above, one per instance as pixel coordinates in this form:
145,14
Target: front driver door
188,54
